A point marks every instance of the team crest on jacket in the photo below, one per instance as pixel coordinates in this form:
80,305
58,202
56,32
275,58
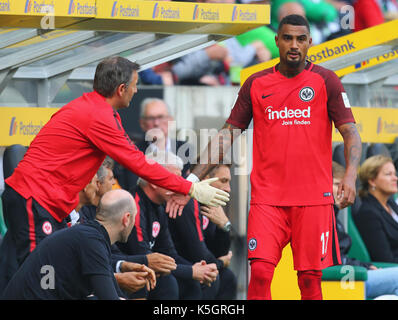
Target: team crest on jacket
205,222
155,229
47,227
306,94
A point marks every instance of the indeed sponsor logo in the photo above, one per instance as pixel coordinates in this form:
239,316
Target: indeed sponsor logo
39,6
81,8
243,15
161,12
287,113
330,52
5,6
23,128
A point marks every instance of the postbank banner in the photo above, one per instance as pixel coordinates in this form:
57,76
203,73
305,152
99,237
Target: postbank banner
21,125
375,125
72,8
149,11
340,47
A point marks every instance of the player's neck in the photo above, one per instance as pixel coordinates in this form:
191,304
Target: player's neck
290,72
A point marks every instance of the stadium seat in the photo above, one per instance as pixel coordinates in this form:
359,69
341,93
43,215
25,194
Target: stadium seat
12,155
377,148
338,153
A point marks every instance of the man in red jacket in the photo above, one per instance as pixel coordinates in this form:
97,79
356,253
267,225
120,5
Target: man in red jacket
68,151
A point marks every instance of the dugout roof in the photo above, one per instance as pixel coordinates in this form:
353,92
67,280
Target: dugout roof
45,44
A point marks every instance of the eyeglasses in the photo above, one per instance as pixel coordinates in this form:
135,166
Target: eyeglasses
159,118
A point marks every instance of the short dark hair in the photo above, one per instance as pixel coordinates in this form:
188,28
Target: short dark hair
111,73
295,20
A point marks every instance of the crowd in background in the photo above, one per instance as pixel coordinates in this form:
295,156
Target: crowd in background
218,64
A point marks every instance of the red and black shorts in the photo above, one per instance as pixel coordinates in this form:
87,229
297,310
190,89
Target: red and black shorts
27,222
311,231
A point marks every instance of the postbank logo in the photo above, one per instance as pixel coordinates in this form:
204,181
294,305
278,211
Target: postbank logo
13,127
163,12
203,14
43,6
386,127
72,6
29,128
82,8
124,10
243,15
5,6
195,12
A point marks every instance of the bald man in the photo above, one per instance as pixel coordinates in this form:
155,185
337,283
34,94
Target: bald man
74,263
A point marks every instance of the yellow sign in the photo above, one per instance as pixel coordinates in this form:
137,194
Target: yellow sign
388,56
340,47
182,11
21,125
376,125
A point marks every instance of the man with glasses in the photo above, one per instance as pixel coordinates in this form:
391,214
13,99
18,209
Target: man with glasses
155,121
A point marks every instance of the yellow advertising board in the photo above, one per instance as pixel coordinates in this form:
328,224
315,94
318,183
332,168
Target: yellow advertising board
374,124
21,125
337,48
134,15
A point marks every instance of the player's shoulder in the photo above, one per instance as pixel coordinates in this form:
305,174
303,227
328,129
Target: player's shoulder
260,75
325,73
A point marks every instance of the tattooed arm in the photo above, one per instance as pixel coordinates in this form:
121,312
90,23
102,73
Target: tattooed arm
352,154
218,146
213,155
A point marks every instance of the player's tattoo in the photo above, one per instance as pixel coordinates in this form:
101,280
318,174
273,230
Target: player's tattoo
352,143
215,151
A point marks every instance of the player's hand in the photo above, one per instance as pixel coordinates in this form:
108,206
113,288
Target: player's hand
161,263
215,215
204,273
226,259
132,281
204,193
142,271
346,191
176,204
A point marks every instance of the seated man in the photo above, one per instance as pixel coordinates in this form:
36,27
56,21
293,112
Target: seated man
75,262
131,271
151,234
203,233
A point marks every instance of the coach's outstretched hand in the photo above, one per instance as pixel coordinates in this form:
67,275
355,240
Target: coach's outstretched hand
204,193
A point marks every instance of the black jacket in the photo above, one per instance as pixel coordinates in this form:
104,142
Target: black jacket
378,229
345,243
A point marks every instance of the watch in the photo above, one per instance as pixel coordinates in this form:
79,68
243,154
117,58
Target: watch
227,227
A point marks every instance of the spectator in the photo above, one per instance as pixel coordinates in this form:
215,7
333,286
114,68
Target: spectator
377,217
78,257
151,234
155,120
380,282
194,244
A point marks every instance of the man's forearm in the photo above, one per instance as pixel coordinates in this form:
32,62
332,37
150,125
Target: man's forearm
352,146
215,151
